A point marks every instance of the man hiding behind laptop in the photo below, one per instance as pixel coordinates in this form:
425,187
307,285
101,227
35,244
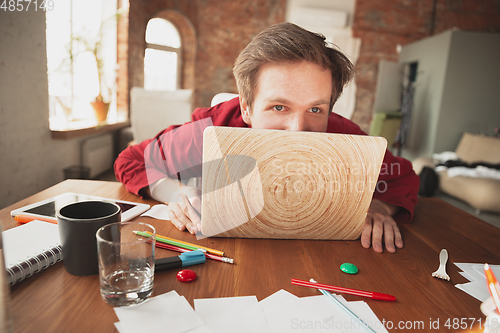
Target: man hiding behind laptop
288,79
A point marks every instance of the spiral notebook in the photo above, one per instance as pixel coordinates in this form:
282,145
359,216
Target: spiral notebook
30,248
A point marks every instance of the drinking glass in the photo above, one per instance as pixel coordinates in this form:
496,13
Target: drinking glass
126,262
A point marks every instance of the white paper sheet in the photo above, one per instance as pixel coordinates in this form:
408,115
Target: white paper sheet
276,299
476,289
318,313
247,320
469,272
201,329
212,309
168,311
280,312
474,272
159,212
363,310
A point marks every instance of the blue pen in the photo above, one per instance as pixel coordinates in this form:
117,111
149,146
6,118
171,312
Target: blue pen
339,303
185,259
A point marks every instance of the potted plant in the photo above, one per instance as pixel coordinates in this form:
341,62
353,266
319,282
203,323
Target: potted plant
86,42
100,104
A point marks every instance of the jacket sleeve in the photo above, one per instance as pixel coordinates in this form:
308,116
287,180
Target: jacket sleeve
130,167
175,151
397,183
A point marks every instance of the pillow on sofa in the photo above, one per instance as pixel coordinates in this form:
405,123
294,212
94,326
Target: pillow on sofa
479,148
480,193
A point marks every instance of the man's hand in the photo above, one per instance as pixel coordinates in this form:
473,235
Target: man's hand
184,215
379,222
184,203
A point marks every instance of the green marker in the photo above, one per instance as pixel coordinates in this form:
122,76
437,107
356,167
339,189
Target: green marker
348,268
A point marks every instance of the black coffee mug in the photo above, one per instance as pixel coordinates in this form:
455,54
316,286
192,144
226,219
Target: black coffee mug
78,223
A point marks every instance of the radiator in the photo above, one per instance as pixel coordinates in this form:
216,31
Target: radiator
97,154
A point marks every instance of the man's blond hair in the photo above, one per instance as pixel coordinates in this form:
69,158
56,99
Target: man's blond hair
287,42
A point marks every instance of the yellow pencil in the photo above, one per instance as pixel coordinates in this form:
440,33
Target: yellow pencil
209,250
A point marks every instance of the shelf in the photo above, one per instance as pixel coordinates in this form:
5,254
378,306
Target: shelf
87,131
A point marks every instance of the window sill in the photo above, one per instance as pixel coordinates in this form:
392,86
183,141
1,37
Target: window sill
103,127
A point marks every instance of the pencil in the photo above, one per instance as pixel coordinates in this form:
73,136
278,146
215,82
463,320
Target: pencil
493,286
180,249
159,238
176,242
369,294
21,218
339,303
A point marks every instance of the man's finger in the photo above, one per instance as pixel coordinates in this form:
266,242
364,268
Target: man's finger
377,233
398,237
197,205
182,218
366,235
389,235
193,214
174,220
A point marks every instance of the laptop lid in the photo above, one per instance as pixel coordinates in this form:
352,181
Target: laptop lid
290,185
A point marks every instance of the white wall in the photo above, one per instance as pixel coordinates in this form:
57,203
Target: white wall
432,56
347,6
341,36
471,96
388,91
30,160
456,89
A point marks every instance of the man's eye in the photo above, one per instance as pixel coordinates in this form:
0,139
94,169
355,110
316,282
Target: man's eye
279,107
315,109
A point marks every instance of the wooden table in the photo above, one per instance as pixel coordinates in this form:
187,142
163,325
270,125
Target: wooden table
55,301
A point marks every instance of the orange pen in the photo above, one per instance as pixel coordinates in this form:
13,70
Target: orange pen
22,218
493,286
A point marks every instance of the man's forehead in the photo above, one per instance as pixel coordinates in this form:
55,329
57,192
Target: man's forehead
289,81
287,100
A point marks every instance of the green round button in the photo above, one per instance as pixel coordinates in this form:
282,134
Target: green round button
348,268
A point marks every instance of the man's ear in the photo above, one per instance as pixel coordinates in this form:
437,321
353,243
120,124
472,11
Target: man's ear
245,111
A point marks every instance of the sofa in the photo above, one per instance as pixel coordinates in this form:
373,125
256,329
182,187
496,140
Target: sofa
483,194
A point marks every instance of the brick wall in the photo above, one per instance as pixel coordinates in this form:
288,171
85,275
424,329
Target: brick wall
383,24
224,27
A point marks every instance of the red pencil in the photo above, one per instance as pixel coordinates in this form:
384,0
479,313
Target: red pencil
180,249
369,294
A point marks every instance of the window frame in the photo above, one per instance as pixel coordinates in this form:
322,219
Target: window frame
176,50
67,128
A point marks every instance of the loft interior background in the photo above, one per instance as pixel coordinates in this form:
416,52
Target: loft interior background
223,28
217,31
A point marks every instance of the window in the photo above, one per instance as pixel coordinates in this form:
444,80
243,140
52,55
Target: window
80,36
162,59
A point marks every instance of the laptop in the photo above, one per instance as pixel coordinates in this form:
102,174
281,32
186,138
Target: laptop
259,183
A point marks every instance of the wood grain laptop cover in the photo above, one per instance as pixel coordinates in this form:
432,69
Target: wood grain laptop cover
289,185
